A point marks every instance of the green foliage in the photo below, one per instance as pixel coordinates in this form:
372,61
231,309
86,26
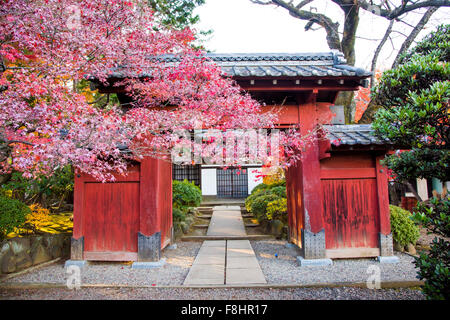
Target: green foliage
259,205
268,201
420,163
12,214
277,188
179,14
176,13
434,268
436,43
261,186
277,209
280,191
185,194
48,191
404,231
434,215
415,99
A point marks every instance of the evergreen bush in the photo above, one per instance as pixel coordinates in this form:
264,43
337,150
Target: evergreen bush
404,230
13,214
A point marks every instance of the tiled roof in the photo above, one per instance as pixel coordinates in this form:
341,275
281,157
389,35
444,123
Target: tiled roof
353,134
325,64
328,64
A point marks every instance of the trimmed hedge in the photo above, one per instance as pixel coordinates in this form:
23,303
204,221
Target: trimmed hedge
13,214
404,230
266,201
185,195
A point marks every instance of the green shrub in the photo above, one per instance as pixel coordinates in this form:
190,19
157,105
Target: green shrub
178,215
281,183
185,194
259,205
261,186
434,266
277,209
253,196
49,191
278,188
12,214
404,231
279,191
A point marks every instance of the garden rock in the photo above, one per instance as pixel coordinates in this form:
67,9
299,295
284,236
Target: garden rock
411,249
40,255
23,260
8,262
19,245
276,228
398,247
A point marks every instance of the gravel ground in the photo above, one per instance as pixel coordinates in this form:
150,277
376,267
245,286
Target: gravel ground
178,262
344,293
281,270
285,269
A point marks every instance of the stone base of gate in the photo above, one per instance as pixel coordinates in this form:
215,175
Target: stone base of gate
313,262
386,244
149,247
388,259
313,244
148,265
78,263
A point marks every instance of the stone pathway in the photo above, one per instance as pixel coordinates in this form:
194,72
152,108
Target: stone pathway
225,261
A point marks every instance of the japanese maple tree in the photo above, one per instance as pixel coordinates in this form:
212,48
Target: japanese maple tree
47,46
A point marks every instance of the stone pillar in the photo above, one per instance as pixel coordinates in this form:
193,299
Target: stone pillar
313,244
76,248
386,246
149,248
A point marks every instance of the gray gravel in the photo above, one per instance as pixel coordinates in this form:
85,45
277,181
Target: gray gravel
175,270
285,269
214,294
281,270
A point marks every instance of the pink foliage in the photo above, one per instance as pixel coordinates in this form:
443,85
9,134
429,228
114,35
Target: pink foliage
45,45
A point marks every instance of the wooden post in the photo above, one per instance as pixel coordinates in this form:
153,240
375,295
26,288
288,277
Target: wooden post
313,233
149,236
385,236
77,240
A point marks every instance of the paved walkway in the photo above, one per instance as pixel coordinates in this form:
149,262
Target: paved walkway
225,261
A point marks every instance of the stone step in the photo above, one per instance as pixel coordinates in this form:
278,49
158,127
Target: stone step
203,226
244,237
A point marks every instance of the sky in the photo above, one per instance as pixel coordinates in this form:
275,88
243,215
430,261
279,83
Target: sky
240,26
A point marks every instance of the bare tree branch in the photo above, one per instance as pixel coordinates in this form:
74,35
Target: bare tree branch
406,6
329,25
378,50
414,33
302,4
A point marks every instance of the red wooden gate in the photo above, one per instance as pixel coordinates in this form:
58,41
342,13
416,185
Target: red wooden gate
112,227
108,217
350,205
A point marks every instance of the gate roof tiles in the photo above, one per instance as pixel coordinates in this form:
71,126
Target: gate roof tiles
353,134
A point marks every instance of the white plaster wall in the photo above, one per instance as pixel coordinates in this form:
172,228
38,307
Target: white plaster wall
252,177
422,189
209,182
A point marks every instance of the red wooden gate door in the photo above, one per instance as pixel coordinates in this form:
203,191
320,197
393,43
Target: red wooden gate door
350,213
350,206
111,220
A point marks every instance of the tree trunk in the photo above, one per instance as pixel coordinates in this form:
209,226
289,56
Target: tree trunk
348,49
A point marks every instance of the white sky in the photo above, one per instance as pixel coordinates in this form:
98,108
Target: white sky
240,26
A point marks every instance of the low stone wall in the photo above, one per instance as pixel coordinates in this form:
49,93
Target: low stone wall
19,253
